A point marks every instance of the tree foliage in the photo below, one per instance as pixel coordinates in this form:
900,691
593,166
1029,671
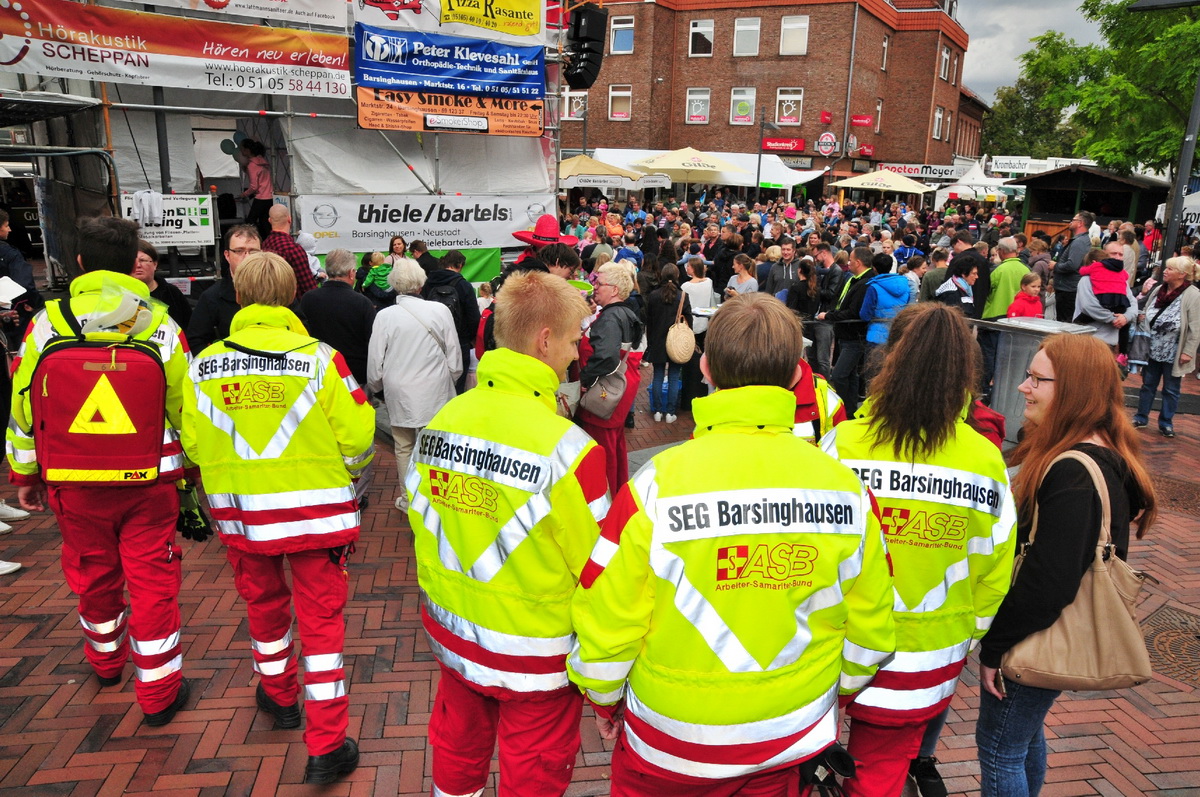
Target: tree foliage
1130,96
1020,124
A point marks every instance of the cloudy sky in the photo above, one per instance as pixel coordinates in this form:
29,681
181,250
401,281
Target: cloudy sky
1000,31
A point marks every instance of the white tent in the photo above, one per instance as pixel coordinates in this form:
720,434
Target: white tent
773,170
974,184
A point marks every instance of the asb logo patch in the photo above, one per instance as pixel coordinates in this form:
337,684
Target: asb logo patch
252,393
905,525
777,566
462,492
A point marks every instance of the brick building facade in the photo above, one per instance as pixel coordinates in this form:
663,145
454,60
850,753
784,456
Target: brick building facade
700,72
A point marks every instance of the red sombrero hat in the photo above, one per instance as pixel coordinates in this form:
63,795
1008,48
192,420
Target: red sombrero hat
544,233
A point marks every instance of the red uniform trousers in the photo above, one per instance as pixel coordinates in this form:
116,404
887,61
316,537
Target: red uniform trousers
883,754
118,536
539,739
320,591
633,776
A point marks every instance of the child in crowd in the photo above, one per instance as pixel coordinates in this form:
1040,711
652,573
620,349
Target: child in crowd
1109,282
1028,301
375,283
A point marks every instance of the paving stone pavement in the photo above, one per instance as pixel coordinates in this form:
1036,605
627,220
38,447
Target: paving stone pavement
60,734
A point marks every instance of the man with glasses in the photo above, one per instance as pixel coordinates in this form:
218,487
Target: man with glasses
1066,270
218,305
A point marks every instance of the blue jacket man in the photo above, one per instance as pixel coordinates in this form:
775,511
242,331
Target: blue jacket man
886,294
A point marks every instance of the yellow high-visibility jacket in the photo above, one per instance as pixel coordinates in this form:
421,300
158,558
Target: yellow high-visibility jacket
505,503
739,584
279,428
949,523
93,292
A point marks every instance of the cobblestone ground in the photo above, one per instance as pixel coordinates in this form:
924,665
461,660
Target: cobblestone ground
60,734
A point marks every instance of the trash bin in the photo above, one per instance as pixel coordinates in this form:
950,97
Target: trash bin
1019,341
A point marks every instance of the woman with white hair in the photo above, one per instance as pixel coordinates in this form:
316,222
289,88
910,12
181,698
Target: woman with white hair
414,359
1172,316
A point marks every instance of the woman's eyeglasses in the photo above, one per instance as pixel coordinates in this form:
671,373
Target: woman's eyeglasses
1035,380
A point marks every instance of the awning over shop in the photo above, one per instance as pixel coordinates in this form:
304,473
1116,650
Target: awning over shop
773,170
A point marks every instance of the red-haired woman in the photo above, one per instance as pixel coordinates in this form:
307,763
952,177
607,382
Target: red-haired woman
1073,402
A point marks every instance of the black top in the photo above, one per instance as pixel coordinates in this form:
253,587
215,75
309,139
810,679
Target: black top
429,263
801,303
338,315
617,324
177,304
660,316
1064,547
983,285
212,316
846,319
468,319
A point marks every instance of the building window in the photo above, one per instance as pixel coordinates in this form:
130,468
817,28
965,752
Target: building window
949,128
741,106
701,43
937,122
793,36
954,71
698,101
944,72
789,105
745,36
574,105
620,103
887,40
621,40
878,115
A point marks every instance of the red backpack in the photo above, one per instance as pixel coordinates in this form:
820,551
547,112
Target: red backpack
97,401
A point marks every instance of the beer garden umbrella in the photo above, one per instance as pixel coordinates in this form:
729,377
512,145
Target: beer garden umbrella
688,164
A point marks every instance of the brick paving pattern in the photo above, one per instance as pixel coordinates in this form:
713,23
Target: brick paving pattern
60,734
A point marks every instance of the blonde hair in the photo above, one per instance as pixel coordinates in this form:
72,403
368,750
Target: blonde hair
265,278
530,301
1184,265
620,275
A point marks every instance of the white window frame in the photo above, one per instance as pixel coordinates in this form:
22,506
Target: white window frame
616,91
878,115
887,40
569,106
948,128
793,22
749,93
701,26
938,115
615,24
954,71
944,69
746,25
698,94
791,93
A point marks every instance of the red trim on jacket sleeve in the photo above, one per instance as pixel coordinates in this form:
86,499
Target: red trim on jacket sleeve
592,474
623,508
343,371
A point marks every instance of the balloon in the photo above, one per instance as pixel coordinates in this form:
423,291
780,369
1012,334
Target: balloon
228,147
239,137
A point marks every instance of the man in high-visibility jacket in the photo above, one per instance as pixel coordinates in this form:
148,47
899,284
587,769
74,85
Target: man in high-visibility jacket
280,428
505,502
949,522
818,407
724,610
113,534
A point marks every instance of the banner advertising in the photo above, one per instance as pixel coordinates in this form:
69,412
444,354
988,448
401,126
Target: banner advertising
512,21
68,40
429,62
416,112
926,171
299,12
362,222
187,221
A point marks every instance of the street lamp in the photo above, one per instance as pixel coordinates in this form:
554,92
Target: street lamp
763,127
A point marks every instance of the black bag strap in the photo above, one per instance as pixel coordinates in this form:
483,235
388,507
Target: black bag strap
64,307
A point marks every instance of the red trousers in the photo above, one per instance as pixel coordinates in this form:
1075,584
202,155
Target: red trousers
538,741
320,594
632,776
883,754
115,537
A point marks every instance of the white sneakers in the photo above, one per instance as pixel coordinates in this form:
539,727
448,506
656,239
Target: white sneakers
402,503
11,512
9,567
658,416
5,528
670,418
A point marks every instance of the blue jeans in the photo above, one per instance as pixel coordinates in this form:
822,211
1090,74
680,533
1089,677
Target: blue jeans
1171,385
665,397
933,732
1010,735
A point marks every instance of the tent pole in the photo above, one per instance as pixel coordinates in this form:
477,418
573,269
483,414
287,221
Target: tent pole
404,160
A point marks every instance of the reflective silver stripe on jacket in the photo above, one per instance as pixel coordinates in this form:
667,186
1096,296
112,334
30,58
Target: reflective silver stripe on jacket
498,641
488,676
288,499
268,532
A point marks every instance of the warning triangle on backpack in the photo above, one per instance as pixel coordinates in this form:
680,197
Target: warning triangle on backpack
102,412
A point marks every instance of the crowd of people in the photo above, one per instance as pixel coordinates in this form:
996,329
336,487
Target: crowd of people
837,536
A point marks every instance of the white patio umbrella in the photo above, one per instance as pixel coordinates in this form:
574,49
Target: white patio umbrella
687,164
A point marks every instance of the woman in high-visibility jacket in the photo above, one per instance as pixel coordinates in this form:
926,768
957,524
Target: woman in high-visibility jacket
949,524
280,428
